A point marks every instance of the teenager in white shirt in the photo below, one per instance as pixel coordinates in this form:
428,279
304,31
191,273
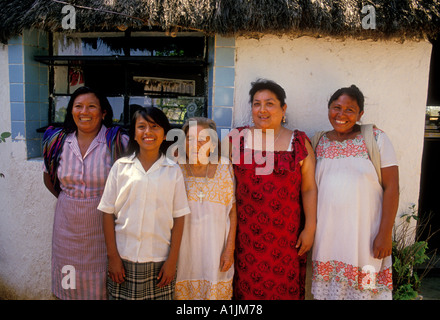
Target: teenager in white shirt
145,202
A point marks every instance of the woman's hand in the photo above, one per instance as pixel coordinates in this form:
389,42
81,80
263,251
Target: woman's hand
116,269
309,193
227,257
169,267
49,185
166,274
305,241
226,260
382,246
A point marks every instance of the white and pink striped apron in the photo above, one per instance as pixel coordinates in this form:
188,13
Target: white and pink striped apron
79,258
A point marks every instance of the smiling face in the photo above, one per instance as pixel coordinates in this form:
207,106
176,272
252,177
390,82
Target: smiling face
267,112
87,113
198,144
343,113
148,134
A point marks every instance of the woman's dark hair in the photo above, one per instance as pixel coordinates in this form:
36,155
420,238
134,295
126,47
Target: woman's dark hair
149,114
69,123
263,84
353,92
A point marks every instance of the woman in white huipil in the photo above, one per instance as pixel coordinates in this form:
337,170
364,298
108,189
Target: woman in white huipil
353,241
205,267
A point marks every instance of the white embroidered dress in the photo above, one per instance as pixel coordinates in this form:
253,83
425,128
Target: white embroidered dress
348,219
204,237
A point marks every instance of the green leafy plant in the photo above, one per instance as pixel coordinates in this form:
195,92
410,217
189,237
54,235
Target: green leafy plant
410,252
3,137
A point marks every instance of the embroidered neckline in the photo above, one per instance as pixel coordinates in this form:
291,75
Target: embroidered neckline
200,194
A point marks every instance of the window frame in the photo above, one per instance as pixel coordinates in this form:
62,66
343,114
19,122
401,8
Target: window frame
127,62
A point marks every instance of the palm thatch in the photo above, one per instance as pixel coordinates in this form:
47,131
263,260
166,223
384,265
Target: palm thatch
337,18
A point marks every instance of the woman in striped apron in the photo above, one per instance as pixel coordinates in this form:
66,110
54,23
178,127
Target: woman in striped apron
77,160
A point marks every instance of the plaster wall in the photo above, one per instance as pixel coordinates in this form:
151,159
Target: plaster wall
392,75
26,212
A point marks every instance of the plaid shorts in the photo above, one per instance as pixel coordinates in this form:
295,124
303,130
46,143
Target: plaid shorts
140,283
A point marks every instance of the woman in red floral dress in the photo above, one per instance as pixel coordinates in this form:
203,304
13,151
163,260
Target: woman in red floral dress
276,200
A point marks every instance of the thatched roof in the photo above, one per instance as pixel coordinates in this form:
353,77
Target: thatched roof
394,18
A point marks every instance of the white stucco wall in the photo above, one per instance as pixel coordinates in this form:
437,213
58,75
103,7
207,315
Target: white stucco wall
392,75
26,213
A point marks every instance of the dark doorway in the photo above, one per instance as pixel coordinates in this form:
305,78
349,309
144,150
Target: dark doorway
429,201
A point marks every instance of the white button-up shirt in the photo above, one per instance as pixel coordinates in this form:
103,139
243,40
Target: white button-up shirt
144,204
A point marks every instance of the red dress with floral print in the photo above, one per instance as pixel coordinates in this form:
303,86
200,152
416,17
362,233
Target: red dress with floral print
270,219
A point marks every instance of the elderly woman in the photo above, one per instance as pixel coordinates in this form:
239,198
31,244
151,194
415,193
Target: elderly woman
205,268
276,206
357,205
77,160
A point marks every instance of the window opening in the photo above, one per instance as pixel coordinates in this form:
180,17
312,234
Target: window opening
149,69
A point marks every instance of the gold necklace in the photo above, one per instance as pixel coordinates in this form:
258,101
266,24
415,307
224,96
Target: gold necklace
200,195
278,135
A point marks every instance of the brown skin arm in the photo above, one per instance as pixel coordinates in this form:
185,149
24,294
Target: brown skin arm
309,192
49,185
168,270
116,269
227,257
382,245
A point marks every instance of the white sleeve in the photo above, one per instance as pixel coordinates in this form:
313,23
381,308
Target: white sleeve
180,202
387,154
108,199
